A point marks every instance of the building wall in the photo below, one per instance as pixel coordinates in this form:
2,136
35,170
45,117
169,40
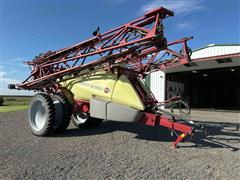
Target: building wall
174,89
214,50
165,86
157,81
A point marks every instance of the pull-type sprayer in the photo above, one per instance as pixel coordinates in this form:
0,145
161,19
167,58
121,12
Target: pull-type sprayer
101,78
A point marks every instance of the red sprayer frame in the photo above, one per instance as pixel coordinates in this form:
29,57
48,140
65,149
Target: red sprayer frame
137,43
140,45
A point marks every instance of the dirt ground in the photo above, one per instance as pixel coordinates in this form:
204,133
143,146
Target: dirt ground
117,150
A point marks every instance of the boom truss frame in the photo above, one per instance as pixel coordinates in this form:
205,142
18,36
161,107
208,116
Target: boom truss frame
138,44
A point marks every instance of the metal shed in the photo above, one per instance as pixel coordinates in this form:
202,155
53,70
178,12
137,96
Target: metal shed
210,80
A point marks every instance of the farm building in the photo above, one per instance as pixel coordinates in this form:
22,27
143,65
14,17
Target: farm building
211,80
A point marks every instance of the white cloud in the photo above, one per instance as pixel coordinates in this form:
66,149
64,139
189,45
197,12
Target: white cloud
17,59
184,25
8,70
116,2
178,6
2,74
5,80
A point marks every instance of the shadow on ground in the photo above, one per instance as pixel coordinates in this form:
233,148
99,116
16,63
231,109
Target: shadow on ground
219,134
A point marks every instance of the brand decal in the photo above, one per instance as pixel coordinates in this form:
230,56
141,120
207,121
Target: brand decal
95,86
106,90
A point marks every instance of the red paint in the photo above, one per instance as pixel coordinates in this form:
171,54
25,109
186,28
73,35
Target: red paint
167,122
137,44
132,43
81,106
106,90
146,97
85,108
151,119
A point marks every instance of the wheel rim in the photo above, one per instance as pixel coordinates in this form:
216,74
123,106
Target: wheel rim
38,115
81,117
58,113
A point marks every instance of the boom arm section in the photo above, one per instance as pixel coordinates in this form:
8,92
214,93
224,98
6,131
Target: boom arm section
137,44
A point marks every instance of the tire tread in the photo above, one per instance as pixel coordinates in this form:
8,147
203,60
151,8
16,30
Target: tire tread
46,99
66,114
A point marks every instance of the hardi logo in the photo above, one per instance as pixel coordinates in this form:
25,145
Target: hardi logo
106,90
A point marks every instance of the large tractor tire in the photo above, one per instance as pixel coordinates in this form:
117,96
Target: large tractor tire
41,115
84,120
62,112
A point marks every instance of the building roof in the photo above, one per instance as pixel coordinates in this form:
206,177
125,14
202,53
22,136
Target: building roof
215,50
210,57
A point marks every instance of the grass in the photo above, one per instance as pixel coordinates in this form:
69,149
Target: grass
15,103
13,108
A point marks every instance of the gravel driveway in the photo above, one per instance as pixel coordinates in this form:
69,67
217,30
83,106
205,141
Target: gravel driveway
117,151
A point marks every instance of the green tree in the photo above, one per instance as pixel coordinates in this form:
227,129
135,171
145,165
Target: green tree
1,100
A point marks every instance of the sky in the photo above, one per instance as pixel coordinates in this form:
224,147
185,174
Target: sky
35,26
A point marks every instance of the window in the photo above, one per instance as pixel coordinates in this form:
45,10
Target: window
221,61
191,64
